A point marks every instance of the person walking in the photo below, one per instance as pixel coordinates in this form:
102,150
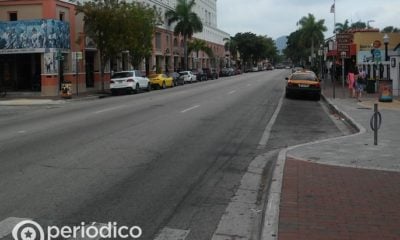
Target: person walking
351,82
360,84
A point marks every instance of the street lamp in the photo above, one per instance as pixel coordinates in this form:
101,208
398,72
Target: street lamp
343,55
386,42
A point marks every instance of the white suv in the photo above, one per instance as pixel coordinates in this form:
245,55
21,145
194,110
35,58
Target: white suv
129,81
187,76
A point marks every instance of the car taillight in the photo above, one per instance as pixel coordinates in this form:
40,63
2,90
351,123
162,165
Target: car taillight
130,80
111,81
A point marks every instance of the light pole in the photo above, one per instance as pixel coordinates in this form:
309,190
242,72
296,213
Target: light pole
333,69
386,42
343,55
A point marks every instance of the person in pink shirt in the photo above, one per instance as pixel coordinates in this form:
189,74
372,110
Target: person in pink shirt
351,83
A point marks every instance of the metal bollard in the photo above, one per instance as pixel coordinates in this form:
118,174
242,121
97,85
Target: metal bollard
375,123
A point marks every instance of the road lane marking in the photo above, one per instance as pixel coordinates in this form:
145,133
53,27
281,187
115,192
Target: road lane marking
232,92
22,131
109,109
172,234
265,137
189,109
249,85
7,225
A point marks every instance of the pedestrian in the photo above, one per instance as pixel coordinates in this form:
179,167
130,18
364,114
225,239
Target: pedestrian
361,83
351,83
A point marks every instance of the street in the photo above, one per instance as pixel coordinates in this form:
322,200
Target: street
171,158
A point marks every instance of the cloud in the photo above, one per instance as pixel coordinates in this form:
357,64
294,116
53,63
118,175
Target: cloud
279,17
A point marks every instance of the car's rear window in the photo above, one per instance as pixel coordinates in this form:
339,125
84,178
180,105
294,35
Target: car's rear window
310,77
122,75
183,73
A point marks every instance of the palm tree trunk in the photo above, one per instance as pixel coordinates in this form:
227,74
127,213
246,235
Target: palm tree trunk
185,53
312,51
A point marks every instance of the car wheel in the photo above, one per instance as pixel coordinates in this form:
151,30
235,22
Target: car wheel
148,89
137,88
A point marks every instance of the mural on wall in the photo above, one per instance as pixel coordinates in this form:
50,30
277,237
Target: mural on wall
50,63
27,36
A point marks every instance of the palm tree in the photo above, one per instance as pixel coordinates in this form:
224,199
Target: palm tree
187,22
198,45
231,46
312,31
342,27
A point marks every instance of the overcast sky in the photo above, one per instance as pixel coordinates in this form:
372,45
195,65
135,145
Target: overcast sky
276,18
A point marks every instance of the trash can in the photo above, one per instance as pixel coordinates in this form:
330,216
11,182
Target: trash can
66,87
385,91
371,86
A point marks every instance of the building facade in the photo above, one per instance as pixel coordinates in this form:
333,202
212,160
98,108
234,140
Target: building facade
42,44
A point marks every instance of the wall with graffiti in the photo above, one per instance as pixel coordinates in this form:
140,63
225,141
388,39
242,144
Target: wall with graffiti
28,36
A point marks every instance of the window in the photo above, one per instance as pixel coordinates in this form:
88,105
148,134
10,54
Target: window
158,41
13,16
61,16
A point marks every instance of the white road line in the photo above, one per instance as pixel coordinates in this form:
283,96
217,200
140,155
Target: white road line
108,109
191,108
7,225
172,234
22,131
249,85
232,92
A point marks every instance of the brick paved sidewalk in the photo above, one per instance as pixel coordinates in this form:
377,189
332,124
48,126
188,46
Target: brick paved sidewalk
330,202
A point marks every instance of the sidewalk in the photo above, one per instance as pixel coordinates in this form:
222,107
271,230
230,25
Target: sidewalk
15,99
345,188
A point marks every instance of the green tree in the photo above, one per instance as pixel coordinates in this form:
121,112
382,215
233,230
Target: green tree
312,31
231,46
198,45
103,26
253,48
358,25
390,29
139,23
187,23
295,49
342,27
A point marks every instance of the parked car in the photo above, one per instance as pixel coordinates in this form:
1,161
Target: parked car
129,81
227,72
295,69
304,83
254,69
175,77
161,81
200,74
211,73
187,77
237,71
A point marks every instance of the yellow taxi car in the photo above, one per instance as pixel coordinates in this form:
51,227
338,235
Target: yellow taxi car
304,83
161,81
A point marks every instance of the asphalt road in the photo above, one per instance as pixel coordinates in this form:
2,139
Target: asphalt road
170,158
